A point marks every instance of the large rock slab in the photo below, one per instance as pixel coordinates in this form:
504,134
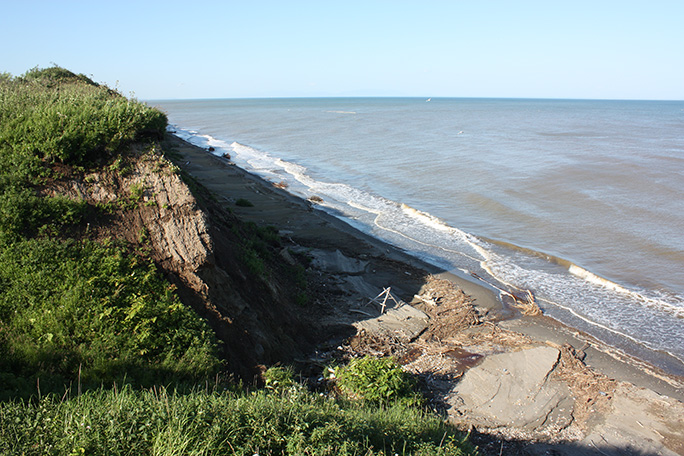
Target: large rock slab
402,321
513,390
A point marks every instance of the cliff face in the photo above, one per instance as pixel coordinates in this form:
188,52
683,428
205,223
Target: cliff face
203,250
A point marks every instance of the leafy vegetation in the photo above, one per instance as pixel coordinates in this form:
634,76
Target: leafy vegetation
377,381
244,203
292,421
53,115
279,378
68,307
257,243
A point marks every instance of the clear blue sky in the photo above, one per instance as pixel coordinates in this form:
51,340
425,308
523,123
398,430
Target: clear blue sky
253,48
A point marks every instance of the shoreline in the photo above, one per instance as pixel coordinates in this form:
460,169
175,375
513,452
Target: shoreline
584,308
607,360
363,264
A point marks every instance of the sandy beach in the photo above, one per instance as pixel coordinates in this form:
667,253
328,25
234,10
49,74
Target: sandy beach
560,385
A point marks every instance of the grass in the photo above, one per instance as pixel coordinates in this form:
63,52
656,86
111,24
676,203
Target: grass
163,422
94,309
52,115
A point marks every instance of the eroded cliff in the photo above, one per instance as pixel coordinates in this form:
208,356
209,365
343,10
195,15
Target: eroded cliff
229,271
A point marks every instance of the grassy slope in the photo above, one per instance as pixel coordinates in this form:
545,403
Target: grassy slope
73,309
77,313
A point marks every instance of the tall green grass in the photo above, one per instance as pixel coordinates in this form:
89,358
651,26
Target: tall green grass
159,422
54,115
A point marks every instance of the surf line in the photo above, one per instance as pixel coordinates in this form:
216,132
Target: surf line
651,303
566,308
399,233
569,310
475,245
606,328
529,297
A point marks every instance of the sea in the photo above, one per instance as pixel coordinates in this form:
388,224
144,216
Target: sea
581,202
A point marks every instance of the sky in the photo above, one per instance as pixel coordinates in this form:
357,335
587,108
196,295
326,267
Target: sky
171,49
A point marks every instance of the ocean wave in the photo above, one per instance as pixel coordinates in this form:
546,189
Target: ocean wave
593,278
659,304
440,225
426,218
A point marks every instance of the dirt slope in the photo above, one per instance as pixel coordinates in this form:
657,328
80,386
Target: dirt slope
205,251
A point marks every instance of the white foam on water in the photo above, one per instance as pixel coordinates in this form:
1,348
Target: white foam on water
659,304
200,140
426,218
364,208
593,278
431,222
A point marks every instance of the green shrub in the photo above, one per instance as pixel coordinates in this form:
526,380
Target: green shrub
137,191
377,380
253,261
302,299
279,378
23,213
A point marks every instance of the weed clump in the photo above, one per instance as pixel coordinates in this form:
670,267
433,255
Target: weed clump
377,381
242,202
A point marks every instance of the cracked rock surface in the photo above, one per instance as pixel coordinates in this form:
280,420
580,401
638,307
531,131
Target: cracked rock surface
514,389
